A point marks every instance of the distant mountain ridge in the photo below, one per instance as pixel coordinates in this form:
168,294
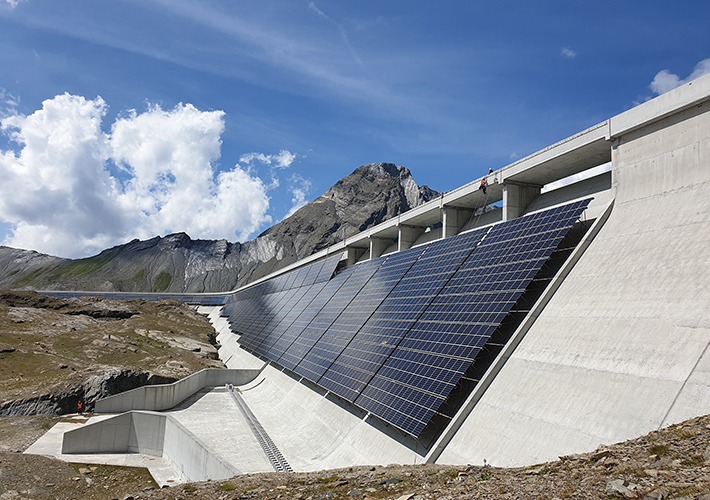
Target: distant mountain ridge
176,263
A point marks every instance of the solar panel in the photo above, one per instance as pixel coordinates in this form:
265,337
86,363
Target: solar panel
295,350
260,321
284,333
329,266
394,335
427,363
252,311
382,331
355,314
311,366
268,335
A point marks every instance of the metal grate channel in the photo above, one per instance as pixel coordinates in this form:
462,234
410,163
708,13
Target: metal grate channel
278,462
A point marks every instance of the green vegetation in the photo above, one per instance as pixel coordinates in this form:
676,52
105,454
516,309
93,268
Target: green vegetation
82,267
44,347
326,480
227,487
696,461
162,282
685,434
76,269
659,449
30,278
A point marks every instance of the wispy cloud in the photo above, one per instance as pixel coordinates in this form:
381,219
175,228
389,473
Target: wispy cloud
9,101
343,33
11,3
568,53
276,53
665,80
275,162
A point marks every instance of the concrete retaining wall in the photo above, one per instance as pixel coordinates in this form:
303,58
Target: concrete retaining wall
150,434
191,456
622,347
166,396
126,433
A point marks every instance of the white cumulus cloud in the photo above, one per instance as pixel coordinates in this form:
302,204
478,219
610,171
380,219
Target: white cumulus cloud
665,80
71,189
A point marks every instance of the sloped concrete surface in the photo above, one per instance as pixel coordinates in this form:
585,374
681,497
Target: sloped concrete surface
315,433
622,347
214,419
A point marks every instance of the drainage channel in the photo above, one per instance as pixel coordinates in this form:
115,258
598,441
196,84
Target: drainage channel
278,462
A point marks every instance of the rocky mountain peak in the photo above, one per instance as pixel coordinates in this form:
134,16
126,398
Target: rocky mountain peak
385,170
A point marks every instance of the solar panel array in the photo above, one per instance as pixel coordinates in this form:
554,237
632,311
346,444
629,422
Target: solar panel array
394,335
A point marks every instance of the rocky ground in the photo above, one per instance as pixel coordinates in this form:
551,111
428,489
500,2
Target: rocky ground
670,463
53,350
55,353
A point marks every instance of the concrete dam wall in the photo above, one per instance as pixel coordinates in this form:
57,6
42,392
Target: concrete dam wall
615,346
621,348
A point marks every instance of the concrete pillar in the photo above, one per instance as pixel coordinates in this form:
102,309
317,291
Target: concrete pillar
354,254
454,218
378,245
517,197
408,235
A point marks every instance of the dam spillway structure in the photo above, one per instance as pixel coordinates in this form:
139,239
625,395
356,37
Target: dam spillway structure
575,314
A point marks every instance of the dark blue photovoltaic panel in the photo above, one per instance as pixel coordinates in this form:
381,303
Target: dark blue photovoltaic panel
374,342
312,275
311,366
266,329
329,266
426,365
290,278
252,313
341,332
283,334
294,352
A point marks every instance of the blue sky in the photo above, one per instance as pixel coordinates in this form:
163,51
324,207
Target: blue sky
135,118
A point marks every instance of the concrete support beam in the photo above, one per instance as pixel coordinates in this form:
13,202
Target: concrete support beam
516,198
378,246
453,219
408,235
354,254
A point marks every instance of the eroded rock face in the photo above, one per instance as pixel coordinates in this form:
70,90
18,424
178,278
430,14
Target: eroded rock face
98,386
176,263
